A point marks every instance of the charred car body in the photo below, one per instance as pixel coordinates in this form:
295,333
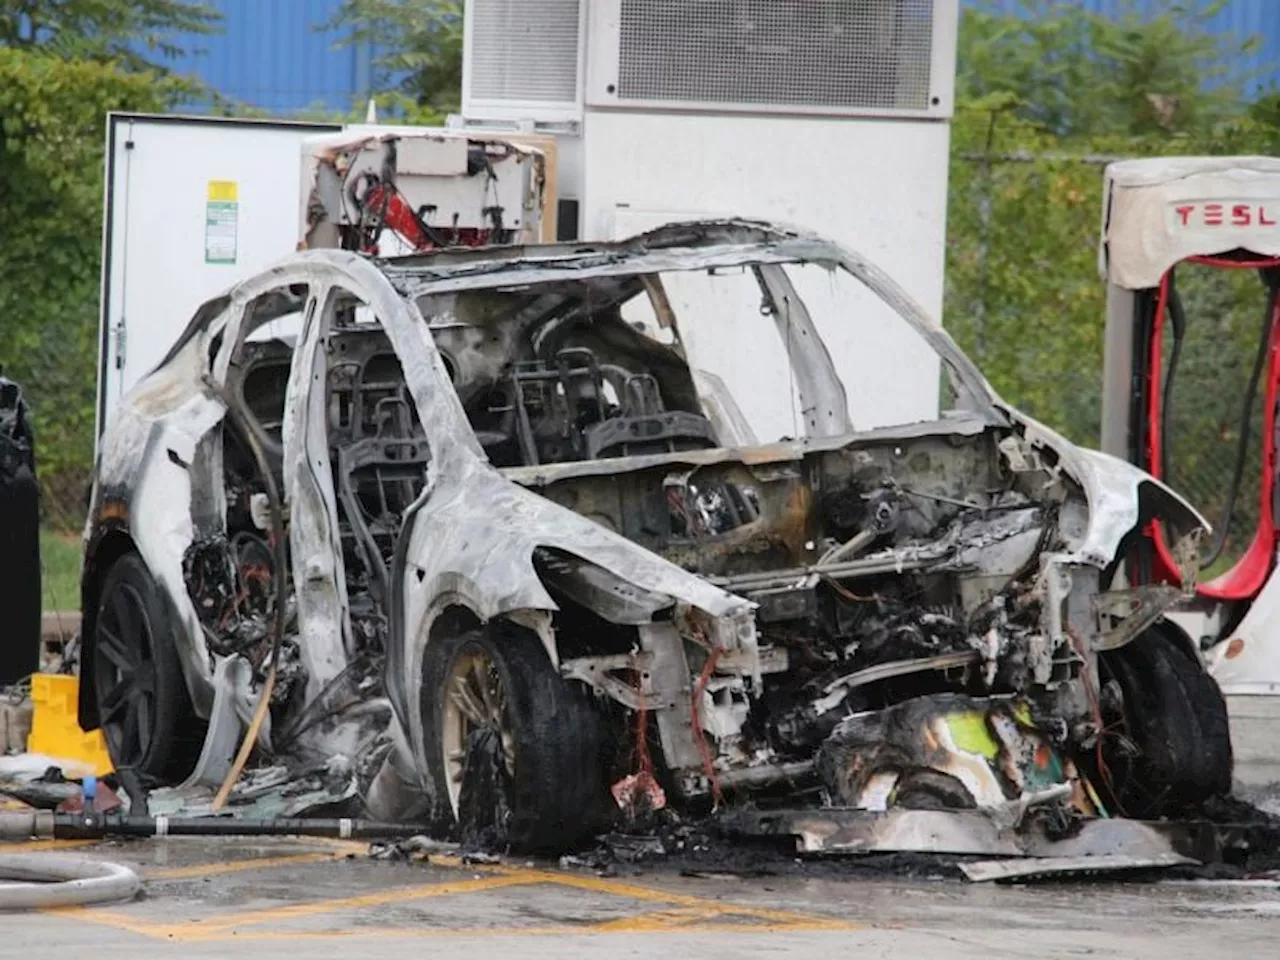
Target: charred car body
414,509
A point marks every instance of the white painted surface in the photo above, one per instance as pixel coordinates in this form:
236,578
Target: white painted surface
157,274
725,333
523,60
1255,721
1248,661
878,186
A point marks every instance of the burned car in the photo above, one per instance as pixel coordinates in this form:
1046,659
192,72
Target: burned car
415,519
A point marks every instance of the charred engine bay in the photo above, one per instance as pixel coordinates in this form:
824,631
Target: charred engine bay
880,571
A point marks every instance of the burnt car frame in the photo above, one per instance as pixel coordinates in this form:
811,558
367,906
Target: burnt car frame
470,511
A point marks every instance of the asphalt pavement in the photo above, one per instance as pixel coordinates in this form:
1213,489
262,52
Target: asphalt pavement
221,898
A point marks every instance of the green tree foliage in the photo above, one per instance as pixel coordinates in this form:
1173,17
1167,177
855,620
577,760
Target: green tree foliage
1044,102
104,30
63,66
1077,73
418,53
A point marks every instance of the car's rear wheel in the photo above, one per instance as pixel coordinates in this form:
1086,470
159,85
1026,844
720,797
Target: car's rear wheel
496,685
143,705
1167,746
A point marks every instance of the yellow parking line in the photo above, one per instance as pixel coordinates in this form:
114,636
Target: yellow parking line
586,930
346,848
682,911
34,846
236,866
653,895
655,920
110,918
217,927
397,895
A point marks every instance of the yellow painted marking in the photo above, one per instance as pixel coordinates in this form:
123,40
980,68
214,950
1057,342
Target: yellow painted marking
586,930
397,895
111,918
216,927
35,846
684,912
656,920
352,848
237,866
650,894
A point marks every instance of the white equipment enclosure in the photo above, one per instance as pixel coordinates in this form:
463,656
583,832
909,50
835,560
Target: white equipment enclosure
192,206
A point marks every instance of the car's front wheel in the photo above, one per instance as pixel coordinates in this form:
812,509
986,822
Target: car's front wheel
1167,743
491,696
143,705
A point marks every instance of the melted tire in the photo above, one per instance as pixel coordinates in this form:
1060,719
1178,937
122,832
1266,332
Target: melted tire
558,794
1176,717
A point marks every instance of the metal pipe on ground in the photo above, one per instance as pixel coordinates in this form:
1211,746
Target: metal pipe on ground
80,826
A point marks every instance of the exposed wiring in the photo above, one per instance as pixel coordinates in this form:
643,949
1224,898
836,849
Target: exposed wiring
848,594
1091,691
644,761
277,543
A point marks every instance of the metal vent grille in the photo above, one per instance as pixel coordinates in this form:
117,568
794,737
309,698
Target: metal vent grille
870,54
524,50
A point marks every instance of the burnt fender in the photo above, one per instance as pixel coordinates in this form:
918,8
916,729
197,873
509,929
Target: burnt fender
599,590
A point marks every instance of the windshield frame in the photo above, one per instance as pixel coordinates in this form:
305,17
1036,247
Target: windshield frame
710,245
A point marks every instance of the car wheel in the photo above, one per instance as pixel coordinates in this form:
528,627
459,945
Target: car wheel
496,687
1168,746
143,705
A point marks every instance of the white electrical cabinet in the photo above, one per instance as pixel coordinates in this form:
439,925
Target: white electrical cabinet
192,205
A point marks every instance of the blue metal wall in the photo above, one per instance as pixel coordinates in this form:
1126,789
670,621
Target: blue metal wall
271,55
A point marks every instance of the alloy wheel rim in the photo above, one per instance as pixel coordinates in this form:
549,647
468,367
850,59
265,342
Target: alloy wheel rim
125,676
474,699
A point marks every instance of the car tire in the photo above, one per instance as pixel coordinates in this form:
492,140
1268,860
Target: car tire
1174,718
144,707
549,730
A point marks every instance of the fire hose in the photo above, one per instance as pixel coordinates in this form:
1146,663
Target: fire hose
59,880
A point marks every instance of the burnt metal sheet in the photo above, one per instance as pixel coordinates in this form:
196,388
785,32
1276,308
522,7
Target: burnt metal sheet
967,832
1027,868
845,830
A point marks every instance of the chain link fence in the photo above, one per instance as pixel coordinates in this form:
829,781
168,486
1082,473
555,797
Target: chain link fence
64,499
1214,402
1024,298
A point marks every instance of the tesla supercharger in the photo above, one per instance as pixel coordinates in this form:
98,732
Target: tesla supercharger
1190,254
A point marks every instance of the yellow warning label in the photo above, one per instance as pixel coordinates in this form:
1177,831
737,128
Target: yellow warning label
222,191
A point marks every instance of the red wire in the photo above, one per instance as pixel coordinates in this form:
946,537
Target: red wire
643,759
1096,706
